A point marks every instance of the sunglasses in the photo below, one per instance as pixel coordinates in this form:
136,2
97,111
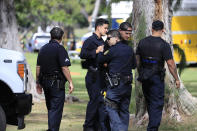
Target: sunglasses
108,38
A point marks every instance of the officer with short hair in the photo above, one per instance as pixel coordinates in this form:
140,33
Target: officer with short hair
94,77
52,72
119,59
151,54
125,30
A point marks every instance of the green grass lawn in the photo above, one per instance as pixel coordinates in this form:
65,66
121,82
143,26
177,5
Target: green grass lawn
74,113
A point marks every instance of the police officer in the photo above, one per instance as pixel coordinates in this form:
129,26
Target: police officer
125,30
151,53
51,74
119,59
94,81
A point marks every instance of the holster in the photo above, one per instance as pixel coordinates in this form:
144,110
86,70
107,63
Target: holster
114,80
145,74
60,80
126,79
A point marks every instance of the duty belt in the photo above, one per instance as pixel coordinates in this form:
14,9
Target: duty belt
50,77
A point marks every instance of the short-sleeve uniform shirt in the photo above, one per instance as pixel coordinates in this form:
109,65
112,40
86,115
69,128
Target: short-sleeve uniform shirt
89,47
154,47
52,57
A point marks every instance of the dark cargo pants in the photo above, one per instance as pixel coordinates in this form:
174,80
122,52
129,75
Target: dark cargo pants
153,90
55,102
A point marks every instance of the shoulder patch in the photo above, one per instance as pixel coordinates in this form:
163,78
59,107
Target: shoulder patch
106,52
66,60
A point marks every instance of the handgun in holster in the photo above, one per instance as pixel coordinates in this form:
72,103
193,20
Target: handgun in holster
115,79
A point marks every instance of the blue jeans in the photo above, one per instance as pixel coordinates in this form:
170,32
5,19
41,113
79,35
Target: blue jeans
119,118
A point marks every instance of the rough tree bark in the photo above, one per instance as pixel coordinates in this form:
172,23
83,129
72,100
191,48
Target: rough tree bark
9,38
177,102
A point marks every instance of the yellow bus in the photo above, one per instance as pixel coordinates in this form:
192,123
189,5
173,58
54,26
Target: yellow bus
184,31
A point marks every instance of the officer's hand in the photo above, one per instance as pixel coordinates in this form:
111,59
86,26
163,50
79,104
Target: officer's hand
105,64
178,84
71,88
99,49
38,89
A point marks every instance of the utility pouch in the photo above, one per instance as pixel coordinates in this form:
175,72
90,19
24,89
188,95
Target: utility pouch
60,84
127,79
145,74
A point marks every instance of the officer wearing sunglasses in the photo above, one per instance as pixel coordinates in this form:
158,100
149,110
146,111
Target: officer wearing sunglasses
119,59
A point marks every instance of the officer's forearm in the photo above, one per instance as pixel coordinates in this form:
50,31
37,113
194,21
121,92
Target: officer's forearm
37,73
66,72
172,69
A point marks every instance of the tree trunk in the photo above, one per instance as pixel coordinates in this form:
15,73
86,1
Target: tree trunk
94,13
176,101
9,38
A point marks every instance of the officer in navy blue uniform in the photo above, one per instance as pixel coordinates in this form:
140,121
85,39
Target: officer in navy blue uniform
51,74
151,54
125,30
120,58
94,77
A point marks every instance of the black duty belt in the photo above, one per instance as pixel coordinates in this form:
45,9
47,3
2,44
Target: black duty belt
50,77
121,77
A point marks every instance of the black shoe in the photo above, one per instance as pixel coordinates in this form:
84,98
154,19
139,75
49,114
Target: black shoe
21,124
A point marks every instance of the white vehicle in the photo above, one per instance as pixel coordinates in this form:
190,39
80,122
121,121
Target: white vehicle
38,40
15,103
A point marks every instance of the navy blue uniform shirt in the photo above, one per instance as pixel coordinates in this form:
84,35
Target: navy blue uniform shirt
154,47
120,59
89,47
52,57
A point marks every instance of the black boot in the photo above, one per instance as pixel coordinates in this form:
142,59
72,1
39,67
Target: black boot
21,124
